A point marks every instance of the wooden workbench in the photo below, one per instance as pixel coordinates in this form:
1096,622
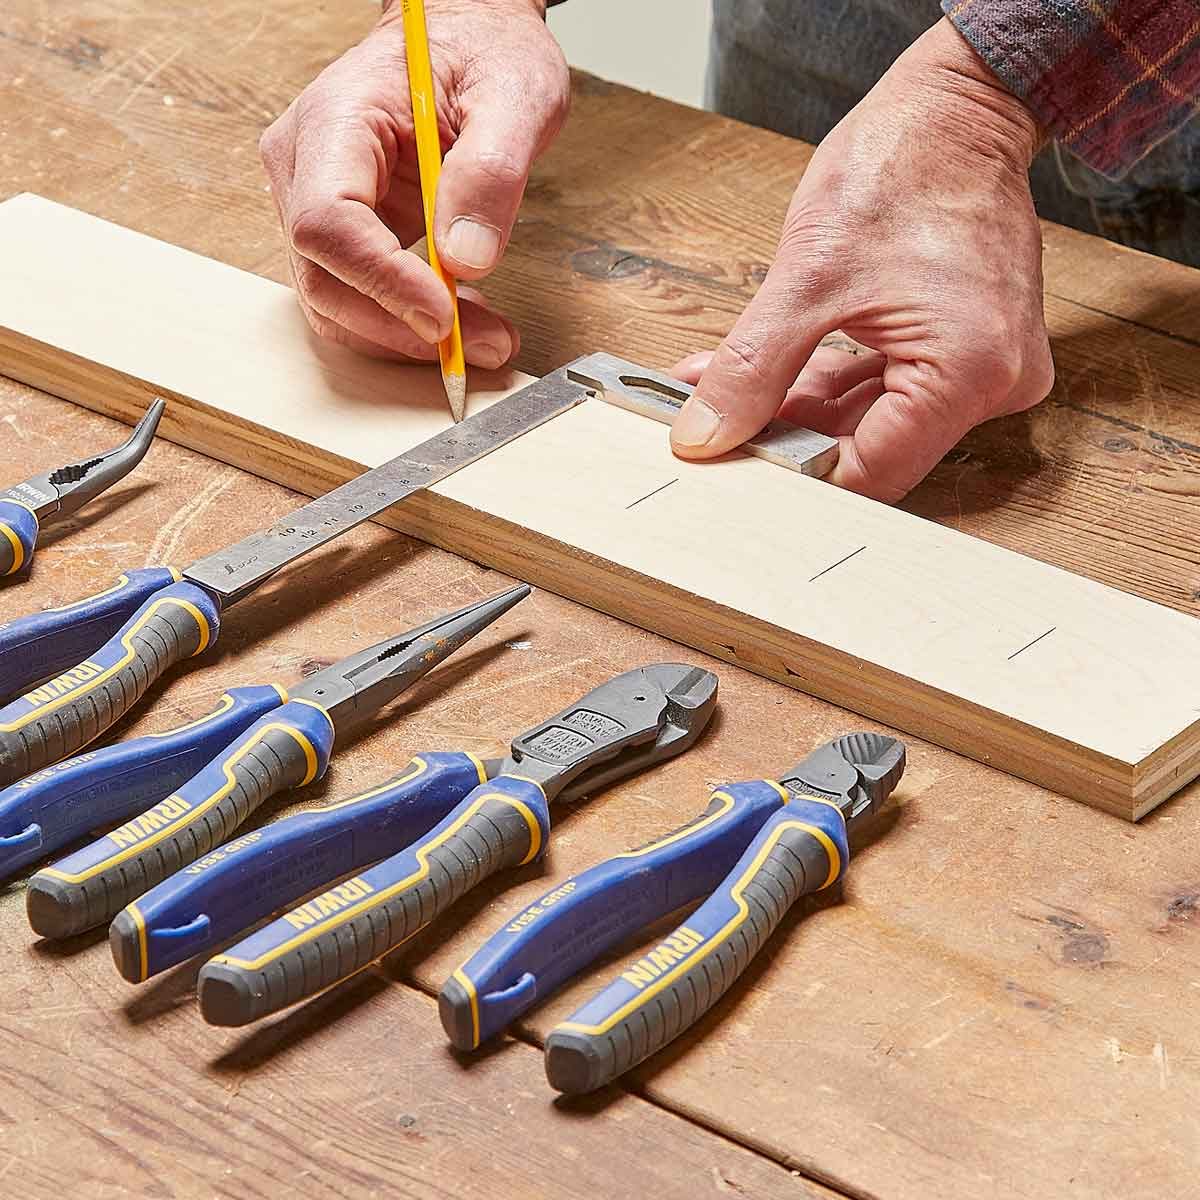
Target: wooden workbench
1001,1006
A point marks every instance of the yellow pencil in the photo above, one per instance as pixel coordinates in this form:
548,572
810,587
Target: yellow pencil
429,160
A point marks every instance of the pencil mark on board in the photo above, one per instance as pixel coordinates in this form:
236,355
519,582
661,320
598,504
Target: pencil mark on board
647,496
837,564
1033,643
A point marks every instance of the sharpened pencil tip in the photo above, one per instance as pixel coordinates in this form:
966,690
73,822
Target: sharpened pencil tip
456,393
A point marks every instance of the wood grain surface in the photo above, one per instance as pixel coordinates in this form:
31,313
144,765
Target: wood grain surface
998,1005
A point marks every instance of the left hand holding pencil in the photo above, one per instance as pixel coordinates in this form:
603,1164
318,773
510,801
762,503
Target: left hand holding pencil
343,169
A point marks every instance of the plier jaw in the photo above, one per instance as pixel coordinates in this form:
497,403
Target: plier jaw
354,690
66,489
632,722
857,772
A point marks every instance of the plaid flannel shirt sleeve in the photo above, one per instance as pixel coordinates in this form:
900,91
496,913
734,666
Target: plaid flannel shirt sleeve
1108,78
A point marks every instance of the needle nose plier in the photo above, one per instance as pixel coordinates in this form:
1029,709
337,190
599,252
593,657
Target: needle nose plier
631,722
288,746
26,507
755,850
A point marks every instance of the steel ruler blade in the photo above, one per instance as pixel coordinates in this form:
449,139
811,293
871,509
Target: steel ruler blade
237,570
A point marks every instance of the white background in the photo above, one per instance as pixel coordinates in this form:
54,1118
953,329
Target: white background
659,46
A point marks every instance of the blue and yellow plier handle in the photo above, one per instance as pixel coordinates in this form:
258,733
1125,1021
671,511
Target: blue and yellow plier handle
257,874
755,850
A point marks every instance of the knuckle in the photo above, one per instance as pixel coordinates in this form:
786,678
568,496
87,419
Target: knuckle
807,235
923,406
872,483
315,286
277,143
1043,374
331,331
1037,380
934,400
501,169
311,231
991,367
823,378
813,262
549,87
815,228
1006,371
744,356
377,279
321,326
270,144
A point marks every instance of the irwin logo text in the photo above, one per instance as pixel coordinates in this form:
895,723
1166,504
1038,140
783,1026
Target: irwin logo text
328,903
663,957
65,683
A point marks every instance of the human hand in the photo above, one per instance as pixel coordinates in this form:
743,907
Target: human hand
343,169
913,232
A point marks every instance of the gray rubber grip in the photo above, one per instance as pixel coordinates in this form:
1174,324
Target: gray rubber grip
92,886
7,557
85,701
578,1061
373,913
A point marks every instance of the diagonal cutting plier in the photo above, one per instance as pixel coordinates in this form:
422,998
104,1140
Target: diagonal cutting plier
25,508
754,851
288,746
631,722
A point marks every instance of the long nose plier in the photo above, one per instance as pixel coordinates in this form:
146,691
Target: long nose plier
754,851
288,746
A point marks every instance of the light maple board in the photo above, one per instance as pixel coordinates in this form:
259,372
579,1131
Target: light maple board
1040,672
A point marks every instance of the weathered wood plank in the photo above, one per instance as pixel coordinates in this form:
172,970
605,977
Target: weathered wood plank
1067,937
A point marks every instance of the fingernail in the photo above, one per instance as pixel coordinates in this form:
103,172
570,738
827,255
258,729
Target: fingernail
488,354
474,244
696,424
423,325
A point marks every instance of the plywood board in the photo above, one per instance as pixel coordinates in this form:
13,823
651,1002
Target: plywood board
1045,674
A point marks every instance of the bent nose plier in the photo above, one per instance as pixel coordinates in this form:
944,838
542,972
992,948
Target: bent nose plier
26,507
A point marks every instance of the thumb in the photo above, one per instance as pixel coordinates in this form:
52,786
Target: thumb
746,382
508,123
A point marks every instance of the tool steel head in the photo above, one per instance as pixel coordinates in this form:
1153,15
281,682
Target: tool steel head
355,689
857,772
660,397
631,722
66,489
